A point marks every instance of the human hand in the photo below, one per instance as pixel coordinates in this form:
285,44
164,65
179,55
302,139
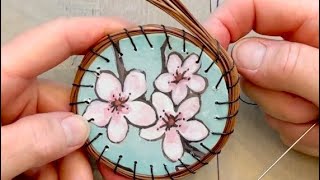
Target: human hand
281,76
38,132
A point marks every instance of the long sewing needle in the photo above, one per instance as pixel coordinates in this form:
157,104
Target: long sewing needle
306,132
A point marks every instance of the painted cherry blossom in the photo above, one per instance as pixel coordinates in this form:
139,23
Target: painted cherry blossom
180,77
117,105
172,126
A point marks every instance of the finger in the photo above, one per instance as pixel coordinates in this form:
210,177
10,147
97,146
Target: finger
45,46
290,132
20,105
75,166
41,96
39,139
48,172
108,173
281,105
293,20
309,150
280,66
53,96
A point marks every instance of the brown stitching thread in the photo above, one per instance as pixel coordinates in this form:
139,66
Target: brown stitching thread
222,134
227,117
249,103
95,138
145,35
200,55
80,102
151,169
167,37
184,40
115,168
232,86
134,169
104,149
115,46
209,150
88,70
134,46
99,55
186,167
223,75
228,102
81,85
165,167
204,163
90,120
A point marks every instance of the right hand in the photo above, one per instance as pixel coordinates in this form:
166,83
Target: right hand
281,76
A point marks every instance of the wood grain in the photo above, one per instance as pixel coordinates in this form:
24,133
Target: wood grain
253,146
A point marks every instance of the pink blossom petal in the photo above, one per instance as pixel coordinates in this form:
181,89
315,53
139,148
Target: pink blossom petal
98,110
172,146
193,130
117,129
189,107
154,132
179,93
107,85
197,83
174,62
135,84
140,114
191,65
163,82
162,103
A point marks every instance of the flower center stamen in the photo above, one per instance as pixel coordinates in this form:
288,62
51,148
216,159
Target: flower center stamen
180,76
118,103
170,121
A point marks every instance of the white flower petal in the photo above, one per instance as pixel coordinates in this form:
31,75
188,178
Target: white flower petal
172,146
179,93
162,103
98,110
174,62
135,84
193,130
191,65
140,114
189,107
107,85
163,82
154,132
196,83
117,129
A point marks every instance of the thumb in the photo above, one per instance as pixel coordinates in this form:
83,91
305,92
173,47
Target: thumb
280,66
39,139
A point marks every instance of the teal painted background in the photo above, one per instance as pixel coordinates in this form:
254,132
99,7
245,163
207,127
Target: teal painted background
134,148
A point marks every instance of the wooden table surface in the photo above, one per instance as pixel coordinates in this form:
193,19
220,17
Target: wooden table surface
253,146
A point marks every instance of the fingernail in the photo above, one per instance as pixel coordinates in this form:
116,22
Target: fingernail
249,54
76,129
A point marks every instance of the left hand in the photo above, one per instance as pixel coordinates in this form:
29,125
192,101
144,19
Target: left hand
38,132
